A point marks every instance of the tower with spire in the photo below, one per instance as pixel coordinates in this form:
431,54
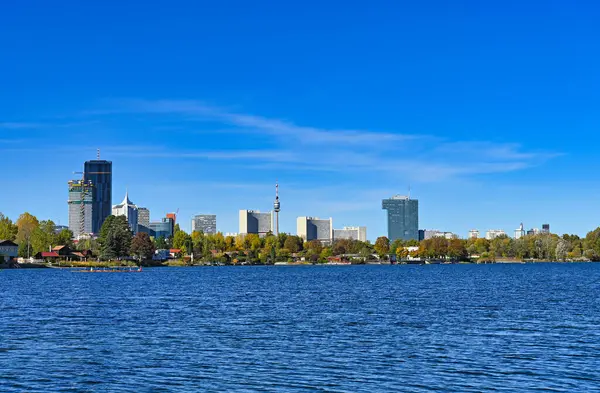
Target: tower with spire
276,208
519,232
129,210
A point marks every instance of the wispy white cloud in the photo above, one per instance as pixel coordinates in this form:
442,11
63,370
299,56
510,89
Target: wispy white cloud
253,123
493,151
267,155
419,157
19,126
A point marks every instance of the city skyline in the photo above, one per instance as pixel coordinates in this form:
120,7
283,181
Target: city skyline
483,115
273,217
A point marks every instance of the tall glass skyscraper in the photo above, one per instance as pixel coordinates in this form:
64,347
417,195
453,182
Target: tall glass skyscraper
403,217
99,172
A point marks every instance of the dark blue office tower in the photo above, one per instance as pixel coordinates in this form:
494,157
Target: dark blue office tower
99,172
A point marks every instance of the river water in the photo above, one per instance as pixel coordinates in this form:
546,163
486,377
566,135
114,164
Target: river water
444,328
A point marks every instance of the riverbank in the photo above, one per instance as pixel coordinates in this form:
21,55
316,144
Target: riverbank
184,263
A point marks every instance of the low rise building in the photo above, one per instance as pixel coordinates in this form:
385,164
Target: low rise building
253,221
60,228
351,233
205,223
314,228
8,250
428,234
494,233
163,228
474,234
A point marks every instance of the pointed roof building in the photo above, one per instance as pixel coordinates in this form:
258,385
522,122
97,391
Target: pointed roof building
129,210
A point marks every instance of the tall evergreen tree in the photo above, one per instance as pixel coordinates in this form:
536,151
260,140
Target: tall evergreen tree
115,238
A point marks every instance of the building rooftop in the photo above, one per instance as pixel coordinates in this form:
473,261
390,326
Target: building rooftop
50,254
126,201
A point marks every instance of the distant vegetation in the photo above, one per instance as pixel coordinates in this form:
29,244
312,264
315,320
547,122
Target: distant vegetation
116,241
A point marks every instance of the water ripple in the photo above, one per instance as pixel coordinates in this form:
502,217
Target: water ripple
501,328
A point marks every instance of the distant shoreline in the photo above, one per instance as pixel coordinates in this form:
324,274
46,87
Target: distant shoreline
79,265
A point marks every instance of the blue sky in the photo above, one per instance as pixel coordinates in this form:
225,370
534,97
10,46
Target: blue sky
488,110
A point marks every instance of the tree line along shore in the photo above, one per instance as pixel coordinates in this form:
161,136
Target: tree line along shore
116,242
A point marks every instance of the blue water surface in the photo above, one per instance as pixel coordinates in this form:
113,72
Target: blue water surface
442,328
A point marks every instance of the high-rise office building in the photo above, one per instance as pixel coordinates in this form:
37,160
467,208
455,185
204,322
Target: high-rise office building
351,233
546,228
81,207
129,210
253,221
143,219
99,172
205,223
402,217
314,228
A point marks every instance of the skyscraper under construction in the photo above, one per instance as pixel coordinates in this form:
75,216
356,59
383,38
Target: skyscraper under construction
80,207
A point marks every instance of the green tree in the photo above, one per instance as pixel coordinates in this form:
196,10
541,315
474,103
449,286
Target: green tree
256,243
382,246
457,249
293,244
592,255
88,244
182,241
43,237
64,238
314,247
142,246
115,238
229,243
412,243
592,242
325,253
8,230
396,244
341,247
219,242
281,238
160,243
26,224
482,245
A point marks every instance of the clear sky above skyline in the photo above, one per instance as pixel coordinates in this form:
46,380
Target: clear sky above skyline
488,110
